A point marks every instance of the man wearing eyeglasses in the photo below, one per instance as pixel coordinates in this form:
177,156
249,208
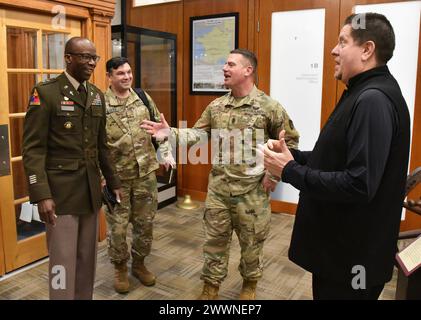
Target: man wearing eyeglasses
64,149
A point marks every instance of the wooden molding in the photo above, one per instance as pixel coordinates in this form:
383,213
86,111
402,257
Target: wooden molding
2,263
46,7
101,36
283,207
75,9
101,15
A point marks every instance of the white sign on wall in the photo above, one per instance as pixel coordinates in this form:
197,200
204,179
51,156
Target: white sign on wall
296,76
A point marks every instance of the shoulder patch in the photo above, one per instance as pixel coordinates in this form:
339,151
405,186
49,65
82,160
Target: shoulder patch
48,81
34,101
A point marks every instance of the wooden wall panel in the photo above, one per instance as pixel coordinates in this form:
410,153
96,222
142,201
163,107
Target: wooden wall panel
175,18
101,36
195,177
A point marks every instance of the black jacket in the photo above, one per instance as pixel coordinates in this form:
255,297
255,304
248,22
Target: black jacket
351,196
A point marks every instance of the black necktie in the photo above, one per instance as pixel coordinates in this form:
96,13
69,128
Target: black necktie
82,93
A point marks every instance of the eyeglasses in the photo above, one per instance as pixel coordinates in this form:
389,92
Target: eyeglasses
84,57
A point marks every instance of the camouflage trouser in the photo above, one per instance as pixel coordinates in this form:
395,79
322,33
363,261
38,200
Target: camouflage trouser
138,207
249,215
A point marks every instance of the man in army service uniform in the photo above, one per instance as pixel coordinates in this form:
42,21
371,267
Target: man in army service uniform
238,191
64,148
135,160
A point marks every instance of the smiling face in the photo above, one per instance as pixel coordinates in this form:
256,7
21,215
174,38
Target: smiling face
121,78
236,70
77,66
348,56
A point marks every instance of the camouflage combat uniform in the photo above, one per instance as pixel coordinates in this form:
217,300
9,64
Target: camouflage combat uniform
236,199
135,162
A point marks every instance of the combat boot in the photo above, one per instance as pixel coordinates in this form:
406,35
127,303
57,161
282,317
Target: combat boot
248,291
139,270
210,292
121,280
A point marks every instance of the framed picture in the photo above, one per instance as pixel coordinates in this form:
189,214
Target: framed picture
211,40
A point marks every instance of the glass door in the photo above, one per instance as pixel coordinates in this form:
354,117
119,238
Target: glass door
33,52
152,55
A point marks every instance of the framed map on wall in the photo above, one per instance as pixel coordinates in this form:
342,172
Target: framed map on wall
212,39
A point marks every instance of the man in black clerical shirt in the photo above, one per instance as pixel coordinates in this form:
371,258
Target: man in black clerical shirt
352,183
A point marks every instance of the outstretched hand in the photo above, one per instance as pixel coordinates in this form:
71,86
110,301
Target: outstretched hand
158,130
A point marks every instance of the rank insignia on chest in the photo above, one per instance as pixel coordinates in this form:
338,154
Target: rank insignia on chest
34,101
67,106
68,125
97,100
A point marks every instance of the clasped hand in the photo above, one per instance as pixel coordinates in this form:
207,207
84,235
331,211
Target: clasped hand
276,155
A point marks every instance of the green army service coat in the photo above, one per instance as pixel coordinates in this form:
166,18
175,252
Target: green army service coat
64,147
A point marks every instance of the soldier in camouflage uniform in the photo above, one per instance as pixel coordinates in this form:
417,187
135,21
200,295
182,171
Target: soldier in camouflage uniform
238,189
135,161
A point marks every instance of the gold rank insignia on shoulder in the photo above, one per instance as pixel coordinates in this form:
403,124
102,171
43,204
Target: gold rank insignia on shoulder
34,101
68,125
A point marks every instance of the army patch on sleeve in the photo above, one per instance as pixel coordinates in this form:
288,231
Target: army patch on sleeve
34,101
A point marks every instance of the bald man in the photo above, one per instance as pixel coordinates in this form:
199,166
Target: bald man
64,148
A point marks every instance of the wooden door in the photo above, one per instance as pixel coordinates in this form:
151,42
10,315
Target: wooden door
327,9
32,49
2,263
394,11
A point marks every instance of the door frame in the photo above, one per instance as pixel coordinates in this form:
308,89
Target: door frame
19,253
2,262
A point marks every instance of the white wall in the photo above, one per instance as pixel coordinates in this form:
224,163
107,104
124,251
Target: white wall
297,76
